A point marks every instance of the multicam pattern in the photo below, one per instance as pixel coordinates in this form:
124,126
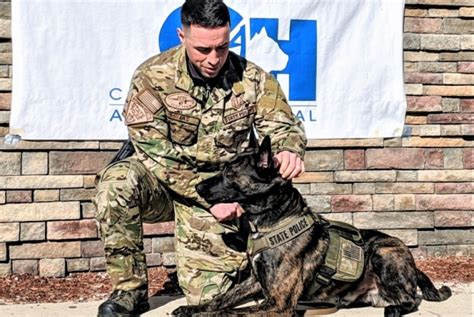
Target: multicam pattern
194,131
127,195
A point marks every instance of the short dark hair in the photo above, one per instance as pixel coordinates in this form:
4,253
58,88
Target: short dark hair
205,13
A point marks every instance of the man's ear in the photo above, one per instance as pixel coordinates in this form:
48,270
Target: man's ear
265,157
180,34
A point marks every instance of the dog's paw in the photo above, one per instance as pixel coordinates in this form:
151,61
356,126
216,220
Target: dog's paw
184,311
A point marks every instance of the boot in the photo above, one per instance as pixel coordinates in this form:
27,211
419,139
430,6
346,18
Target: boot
125,303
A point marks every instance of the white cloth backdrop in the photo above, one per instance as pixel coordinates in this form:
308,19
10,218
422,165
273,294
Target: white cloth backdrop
339,61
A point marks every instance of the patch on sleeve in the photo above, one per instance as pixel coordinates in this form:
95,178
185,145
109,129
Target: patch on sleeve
180,101
149,100
137,113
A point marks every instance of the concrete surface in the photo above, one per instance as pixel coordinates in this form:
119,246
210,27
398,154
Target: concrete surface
459,305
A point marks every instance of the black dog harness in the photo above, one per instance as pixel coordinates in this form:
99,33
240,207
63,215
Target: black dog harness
344,259
281,233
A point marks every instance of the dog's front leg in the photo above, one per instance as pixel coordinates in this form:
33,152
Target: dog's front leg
236,295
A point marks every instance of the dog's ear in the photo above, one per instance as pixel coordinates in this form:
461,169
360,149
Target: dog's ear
253,141
265,157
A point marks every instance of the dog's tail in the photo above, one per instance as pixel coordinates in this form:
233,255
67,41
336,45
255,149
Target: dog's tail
430,293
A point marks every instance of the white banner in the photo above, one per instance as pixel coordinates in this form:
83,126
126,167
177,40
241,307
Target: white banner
340,62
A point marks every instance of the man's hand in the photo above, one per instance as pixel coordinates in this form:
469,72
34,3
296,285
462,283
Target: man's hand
290,164
226,211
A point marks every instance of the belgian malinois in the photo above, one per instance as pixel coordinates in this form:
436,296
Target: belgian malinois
287,273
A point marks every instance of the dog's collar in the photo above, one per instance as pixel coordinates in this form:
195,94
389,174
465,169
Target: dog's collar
282,232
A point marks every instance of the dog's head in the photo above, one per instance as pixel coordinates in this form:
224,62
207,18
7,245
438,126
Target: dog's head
246,179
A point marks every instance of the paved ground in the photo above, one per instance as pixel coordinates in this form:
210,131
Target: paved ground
460,305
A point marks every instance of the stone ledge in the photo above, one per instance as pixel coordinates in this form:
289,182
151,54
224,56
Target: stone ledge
365,176
436,142
324,160
49,145
9,231
72,230
448,91
41,182
52,267
401,188
444,202
445,237
3,251
454,218
46,250
314,177
455,3
161,228
408,236
78,162
393,220
341,143
446,176
349,203
40,211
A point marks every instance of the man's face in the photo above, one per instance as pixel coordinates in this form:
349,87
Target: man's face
207,48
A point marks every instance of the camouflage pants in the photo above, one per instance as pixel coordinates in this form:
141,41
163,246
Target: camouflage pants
128,195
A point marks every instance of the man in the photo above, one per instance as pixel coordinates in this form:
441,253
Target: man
189,110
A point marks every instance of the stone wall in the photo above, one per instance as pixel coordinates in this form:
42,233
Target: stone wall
417,187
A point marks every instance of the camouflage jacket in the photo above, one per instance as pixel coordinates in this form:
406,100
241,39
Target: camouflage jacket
185,132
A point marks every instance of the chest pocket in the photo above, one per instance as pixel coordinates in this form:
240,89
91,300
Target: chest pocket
237,119
182,118
182,128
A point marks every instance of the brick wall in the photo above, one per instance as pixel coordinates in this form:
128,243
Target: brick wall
418,187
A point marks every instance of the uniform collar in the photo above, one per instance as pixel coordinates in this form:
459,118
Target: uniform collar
188,79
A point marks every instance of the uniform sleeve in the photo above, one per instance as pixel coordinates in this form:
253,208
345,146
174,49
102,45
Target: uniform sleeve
275,118
145,118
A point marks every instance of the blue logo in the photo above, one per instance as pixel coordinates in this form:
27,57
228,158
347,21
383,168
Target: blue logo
294,58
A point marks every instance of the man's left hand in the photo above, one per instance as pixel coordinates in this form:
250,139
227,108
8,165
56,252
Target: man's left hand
290,165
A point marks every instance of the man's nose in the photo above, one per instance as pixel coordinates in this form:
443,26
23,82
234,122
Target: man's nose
213,58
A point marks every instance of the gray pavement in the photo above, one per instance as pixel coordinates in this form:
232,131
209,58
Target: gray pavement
459,305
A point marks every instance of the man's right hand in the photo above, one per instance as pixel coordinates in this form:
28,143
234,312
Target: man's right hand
226,211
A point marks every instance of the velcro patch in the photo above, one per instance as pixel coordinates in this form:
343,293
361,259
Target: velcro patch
351,257
180,101
237,102
240,114
179,117
137,113
150,101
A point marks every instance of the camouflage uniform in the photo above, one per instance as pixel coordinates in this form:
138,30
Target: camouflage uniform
183,132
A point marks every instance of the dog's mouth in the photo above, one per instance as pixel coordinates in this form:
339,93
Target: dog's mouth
211,193
214,191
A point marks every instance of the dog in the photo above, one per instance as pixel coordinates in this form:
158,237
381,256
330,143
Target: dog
288,272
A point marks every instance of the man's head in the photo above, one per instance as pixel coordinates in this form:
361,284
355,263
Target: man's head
205,34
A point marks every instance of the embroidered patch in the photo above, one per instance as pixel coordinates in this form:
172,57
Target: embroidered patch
237,102
282,236
180,101
351,257
239,115
137,113
150,101
179,117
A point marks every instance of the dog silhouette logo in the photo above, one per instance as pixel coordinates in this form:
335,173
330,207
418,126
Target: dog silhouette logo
261,47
